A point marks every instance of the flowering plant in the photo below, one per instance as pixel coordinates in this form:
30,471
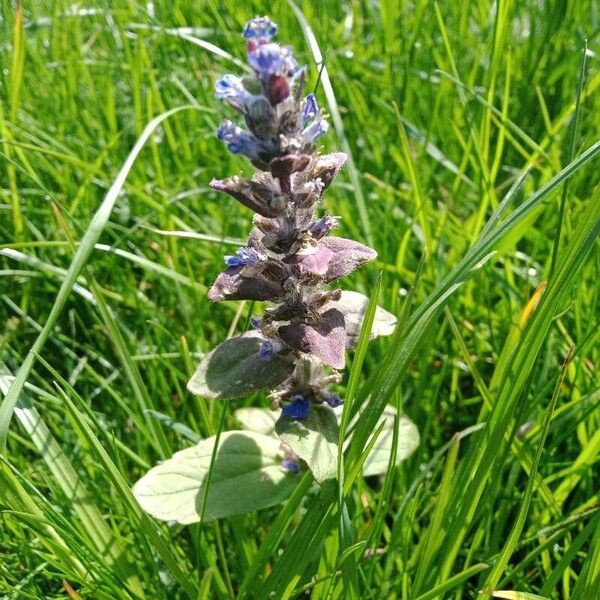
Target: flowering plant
296,350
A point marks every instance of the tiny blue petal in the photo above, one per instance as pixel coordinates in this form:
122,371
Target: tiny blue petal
233,261
255,322
260,28
227,86
314,130
266,351
290,465
297,409
333,400
244,257
238,140
231,88
310,109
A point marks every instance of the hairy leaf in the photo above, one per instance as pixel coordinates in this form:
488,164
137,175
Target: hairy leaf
246,476
313,439
381,455
248,193
347,256
233,284
234,369
261,420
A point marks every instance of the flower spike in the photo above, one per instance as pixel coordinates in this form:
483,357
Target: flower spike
294,351
290,257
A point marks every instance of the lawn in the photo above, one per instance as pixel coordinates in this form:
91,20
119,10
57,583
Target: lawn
473,139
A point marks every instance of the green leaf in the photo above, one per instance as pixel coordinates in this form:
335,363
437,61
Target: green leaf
354,305
246,477
263,420
511,595
313,439
234,369
260,420
380,456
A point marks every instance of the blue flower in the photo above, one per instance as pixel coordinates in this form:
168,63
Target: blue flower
238,140
244,257
290,465
333,400
310,109
314,125
266,351
314,130
297,409
231,88
272,59
260,28
256,322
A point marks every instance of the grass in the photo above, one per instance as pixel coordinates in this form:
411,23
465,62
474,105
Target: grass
473,133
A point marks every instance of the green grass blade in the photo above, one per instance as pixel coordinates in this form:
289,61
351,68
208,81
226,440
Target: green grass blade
515,534
94,230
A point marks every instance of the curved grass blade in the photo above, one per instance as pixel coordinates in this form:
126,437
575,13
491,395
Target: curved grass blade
91,236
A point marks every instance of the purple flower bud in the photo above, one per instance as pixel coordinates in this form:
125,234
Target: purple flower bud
290,461
238,140
333,400
323,225
266,351
277,89
244,257
260,28
272,59
297,409
290,465
310,109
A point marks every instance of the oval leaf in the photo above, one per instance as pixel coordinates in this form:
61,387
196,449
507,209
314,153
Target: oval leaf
381,454
313,439
354,305
234,369
260,420
246,477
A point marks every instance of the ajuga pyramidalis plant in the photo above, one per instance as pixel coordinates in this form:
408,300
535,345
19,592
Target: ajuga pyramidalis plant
296,349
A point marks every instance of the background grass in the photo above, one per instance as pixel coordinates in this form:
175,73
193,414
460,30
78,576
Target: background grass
444,108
